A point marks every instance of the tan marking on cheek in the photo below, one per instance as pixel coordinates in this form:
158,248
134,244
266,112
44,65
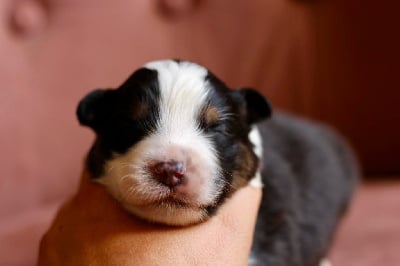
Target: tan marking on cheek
247,167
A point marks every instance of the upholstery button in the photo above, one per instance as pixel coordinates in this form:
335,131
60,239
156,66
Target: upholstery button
28,17
177,8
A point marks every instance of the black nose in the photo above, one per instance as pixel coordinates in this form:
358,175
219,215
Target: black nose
171,173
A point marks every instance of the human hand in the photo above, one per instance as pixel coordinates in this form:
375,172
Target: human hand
92,229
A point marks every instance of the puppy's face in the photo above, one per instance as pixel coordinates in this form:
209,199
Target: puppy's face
172,141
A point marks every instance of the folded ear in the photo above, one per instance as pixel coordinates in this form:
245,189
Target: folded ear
90,107
257,106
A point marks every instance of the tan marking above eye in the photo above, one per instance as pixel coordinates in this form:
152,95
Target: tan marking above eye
210,115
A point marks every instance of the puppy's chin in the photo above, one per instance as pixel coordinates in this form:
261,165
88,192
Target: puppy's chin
169,213
158,204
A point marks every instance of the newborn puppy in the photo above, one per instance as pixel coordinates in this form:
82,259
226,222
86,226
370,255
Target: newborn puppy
173,143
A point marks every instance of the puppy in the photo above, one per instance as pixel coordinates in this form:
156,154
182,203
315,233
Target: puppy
173,142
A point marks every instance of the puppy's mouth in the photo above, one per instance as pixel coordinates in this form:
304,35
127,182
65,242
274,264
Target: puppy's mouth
169,200
173,202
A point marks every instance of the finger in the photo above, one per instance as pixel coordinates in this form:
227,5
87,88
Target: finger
238,218
242,208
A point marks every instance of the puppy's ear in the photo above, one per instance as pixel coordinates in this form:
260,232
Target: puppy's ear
257,107
91,108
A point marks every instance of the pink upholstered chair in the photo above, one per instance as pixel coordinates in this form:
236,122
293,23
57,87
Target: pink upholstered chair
305,55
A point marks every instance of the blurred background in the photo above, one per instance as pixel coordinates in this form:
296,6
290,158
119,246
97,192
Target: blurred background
333,61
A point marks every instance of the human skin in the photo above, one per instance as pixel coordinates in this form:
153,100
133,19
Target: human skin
92,229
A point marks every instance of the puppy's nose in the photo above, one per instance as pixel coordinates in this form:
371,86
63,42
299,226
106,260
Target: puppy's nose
171,173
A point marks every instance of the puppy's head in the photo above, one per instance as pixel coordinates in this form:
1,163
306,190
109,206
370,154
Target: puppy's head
172,141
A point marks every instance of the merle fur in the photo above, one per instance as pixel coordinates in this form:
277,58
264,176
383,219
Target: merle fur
308,171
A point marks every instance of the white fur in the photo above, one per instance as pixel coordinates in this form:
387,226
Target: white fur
325,262
177,137
255,138
183,94
252,260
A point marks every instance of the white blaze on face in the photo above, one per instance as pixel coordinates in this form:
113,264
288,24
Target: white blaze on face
183,94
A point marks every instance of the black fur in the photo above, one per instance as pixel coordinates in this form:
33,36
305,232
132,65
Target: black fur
309,175
308,171
113,115
228,133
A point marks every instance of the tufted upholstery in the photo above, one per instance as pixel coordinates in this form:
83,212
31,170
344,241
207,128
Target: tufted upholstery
306,56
